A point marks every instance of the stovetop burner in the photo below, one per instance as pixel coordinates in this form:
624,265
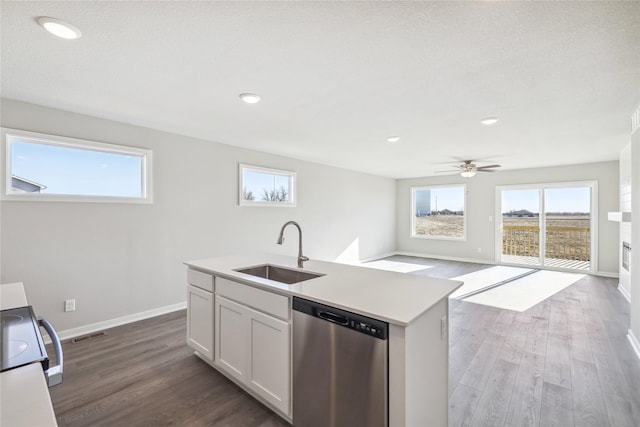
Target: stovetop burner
21,339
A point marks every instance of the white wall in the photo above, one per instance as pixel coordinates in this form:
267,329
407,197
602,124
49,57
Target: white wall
635,239
481,206
121,259
625,206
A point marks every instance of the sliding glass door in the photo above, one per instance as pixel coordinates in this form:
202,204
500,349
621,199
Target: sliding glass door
548,225
521,226
567,225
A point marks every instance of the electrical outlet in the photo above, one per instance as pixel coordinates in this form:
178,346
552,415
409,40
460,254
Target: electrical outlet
70,305
443,328
479,250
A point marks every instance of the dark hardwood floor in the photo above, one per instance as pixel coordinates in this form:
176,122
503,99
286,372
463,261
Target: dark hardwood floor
564,362
143,374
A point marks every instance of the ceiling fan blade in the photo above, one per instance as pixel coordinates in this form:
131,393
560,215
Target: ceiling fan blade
453,161
469,165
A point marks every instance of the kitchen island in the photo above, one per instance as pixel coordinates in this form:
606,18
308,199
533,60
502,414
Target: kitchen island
223,304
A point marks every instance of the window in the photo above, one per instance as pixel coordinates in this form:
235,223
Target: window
46,167
266,187
437,212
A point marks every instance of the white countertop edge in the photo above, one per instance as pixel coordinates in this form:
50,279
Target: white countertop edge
12,295
24,398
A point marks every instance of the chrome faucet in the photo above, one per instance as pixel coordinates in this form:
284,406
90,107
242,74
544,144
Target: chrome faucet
301,258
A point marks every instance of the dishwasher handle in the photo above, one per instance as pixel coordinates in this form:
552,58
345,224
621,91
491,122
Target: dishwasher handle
54,373
342,318
333,317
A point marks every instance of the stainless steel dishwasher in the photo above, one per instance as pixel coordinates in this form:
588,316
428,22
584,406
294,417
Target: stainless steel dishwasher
340,367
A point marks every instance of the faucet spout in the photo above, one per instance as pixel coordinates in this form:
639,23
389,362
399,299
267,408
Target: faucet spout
301,258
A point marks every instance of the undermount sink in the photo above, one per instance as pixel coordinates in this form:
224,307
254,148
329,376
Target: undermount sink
279,274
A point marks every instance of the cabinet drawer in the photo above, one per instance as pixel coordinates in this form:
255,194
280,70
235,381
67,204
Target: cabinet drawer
270,303
200,279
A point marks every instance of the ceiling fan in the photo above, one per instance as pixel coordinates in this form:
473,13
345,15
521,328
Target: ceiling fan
468,168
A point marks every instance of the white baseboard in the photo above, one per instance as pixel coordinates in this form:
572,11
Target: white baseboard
624,293
446,258
99,326
377,257
488,262
634,343
607,274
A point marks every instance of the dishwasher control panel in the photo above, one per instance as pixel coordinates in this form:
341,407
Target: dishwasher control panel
367,328
366,325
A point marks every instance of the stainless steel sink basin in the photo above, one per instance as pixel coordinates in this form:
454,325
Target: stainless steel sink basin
279,274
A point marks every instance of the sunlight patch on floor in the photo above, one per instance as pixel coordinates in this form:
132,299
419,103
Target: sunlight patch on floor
484,278
524,293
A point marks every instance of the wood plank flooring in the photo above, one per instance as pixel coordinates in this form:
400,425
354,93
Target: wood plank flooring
143,374
564,362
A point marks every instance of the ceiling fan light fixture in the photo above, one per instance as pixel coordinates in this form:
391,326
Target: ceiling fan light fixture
393,139
250,98
59,28
488,121
468,173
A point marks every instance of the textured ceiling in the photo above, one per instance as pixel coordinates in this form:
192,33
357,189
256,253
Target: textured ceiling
337,78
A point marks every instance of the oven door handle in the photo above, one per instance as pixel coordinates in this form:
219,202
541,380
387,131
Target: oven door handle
54,373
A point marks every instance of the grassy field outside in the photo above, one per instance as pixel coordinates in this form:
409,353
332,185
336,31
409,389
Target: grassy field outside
440,226
579,221
567,235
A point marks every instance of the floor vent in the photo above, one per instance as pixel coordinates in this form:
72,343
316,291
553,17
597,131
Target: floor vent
88,337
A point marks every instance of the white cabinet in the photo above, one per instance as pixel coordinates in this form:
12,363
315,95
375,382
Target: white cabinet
254,346
268,370
231,352
200,313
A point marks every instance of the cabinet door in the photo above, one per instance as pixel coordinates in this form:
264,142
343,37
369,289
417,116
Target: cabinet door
200,321
231,337
269,351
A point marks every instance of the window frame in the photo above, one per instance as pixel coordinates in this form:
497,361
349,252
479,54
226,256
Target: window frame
242,167
412,221
146,176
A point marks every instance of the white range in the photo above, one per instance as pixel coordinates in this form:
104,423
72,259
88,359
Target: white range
24,395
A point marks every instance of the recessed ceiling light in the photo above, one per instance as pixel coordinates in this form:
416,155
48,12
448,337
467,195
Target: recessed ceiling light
250,98
488,121
393,139
59,28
